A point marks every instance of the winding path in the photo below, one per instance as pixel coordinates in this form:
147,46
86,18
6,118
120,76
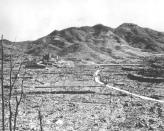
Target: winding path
97,79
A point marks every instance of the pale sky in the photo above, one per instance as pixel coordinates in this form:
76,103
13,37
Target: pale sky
31,19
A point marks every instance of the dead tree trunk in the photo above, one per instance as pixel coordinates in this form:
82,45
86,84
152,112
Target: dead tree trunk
40,120
14,102
18,101
10,93
2,91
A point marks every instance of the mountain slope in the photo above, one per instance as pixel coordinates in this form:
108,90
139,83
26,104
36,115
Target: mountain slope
143,38
98,43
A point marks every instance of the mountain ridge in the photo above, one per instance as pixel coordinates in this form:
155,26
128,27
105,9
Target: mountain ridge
98,42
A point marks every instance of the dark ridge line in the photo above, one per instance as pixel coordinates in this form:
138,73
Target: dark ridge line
63,86
81,92
74,92
62,92
55,92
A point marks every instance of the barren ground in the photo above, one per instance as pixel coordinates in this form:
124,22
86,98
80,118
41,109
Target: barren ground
70,100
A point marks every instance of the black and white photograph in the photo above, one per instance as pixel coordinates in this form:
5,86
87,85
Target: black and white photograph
81,65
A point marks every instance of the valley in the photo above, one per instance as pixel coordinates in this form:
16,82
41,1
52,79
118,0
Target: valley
87,79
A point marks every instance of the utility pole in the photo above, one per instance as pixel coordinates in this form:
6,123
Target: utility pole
2,91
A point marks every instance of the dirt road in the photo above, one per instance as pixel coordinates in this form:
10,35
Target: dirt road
97,79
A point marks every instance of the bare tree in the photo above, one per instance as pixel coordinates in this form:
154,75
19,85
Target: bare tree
10,109
18,101
40,119
15,94
2,87
40,116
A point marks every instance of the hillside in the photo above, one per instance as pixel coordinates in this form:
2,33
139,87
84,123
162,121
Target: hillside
98,43
143,38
